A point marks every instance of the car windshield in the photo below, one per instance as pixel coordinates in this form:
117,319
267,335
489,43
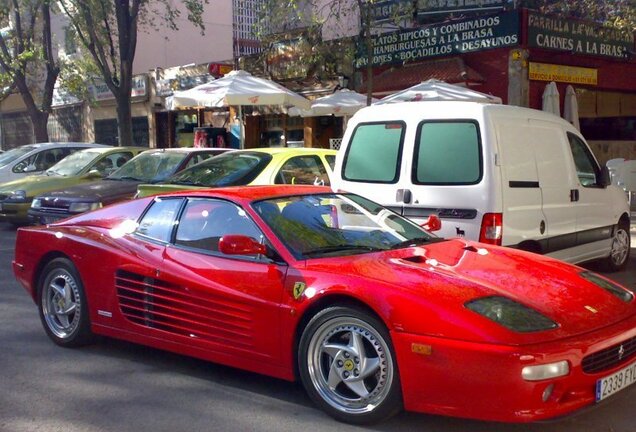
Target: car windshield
73,164
229,169
314,226
13,154
149,167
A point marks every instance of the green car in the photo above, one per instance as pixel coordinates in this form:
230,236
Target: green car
80,167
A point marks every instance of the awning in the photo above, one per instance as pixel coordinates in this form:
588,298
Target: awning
451,70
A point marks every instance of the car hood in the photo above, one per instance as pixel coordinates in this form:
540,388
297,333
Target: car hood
443,276
103,191
40,183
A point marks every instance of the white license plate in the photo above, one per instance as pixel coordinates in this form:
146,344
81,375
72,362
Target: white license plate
605,387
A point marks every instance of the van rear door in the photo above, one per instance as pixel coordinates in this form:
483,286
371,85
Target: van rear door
447,172
372,163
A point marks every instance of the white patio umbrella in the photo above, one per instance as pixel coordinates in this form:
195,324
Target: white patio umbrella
551,99
436,90
571,107
340,104
237,88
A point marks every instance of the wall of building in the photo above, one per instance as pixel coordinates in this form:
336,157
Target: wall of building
606,150
166,48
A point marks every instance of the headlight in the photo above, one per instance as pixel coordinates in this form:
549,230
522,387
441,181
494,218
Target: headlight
545,371
36,203
511,314
80,207
18,196
608,286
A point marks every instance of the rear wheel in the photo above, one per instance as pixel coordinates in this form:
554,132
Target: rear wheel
619,250
62,304
348,366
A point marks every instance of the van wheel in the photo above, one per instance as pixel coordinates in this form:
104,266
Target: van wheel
619,250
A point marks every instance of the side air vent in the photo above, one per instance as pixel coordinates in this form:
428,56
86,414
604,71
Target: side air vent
154,303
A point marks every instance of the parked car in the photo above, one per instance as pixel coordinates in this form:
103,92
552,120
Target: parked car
496,173
80,167
150,166
36,158
253,167
367,309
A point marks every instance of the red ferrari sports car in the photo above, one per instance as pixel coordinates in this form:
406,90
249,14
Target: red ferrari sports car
371,312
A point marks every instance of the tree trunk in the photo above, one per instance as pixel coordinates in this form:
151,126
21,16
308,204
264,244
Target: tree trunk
124,121
40,129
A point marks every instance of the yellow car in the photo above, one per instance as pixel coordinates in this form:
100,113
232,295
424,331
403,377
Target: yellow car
252,167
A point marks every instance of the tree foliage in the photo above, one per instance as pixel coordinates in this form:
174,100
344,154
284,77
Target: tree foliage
27,58
108,32
616,13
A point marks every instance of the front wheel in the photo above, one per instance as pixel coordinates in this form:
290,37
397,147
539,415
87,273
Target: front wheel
348,366
619,250
62,304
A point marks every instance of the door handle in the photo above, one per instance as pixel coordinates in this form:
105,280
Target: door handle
574,195
403,195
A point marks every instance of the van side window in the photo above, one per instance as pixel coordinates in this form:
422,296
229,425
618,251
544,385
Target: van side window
586,167
374,153
447,153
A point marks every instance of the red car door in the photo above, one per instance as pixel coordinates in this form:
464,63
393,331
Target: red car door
229,305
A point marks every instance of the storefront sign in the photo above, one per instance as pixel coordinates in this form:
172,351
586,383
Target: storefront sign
429,7
388,10
448,38
100,91
561,73
578,37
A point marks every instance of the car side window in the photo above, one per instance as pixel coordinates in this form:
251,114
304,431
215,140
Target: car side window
204,221
587,169
303,170
157,223
110,163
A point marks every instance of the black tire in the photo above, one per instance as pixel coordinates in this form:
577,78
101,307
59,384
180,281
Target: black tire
360,359
620,248
62,304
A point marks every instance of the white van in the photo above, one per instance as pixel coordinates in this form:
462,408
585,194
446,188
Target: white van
495,173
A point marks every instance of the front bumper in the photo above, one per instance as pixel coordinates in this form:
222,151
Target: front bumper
14,212
483,381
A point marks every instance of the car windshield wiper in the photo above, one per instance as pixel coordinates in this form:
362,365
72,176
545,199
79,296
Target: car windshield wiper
411,242
340,248
126,178
188,183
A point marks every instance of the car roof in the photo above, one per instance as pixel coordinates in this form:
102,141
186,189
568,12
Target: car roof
65,144
290,151
253,193
112,149
190,149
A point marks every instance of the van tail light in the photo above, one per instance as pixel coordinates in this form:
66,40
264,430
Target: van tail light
491,231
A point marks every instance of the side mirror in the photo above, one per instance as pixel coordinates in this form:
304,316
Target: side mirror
433,223
29,168
94,173
604,179
241,245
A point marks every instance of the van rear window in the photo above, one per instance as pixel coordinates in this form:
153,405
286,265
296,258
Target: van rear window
447,153
374,153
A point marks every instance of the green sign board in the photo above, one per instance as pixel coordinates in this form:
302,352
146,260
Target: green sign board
443,39
578,37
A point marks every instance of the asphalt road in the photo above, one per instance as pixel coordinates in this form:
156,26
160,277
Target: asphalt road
116,386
